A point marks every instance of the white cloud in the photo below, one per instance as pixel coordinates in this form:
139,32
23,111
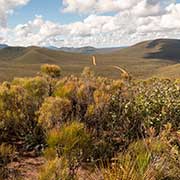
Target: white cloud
96,6
141,7
35,32
134,20
6,8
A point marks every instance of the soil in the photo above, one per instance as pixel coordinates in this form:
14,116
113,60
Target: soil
25,168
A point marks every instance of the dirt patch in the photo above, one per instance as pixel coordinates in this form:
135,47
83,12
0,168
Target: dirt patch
25,168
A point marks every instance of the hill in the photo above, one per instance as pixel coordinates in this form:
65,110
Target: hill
167,49
148,58
169,71
82,50
143,60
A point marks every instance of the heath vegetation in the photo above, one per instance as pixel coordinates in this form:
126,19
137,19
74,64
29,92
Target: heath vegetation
120,129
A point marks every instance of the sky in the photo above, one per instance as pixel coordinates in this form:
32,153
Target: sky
77,23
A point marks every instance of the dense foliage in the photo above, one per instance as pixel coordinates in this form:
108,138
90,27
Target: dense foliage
88,119
156,157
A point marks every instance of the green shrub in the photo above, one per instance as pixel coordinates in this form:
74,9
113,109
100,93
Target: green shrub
115,123
87,73
65,90
78,92
117,113
7,153
71,142
37,88
53,71
54,170
122,114
54,112
18,116
158,102
14,105
154,158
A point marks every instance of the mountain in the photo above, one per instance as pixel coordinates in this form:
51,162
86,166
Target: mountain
85,50
82,50
3,46
146,59
52,48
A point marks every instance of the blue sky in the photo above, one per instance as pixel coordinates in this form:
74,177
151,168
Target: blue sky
87,22
49,9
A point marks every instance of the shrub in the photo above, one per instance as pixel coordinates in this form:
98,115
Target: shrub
87,73
53,71
115,123
37,88
149,159
54,170
14,106
71,142
54,112
118,113
158,103
7,153
65,90
101,97
17,116
79,93
130,111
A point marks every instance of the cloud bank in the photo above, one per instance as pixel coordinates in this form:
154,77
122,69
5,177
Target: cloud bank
132,21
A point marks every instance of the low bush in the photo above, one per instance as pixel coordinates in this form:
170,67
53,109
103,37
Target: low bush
71,142
51,70
7,153
54,170
54,112
113,116
154,158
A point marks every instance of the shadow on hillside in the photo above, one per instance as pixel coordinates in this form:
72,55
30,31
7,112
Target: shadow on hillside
167,51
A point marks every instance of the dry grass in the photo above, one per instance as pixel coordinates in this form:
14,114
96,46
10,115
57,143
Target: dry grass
26,61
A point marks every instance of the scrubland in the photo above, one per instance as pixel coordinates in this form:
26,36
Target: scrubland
90,127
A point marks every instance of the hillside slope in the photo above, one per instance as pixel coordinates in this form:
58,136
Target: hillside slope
148,58
143,60
169,71
167,49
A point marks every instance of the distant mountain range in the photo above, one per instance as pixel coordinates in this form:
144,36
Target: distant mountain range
86,49
82,50
3,46
160,57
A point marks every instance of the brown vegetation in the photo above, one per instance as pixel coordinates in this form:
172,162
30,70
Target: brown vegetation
118,129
